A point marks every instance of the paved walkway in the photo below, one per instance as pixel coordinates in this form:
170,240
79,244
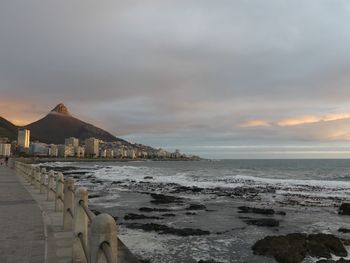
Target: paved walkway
22,237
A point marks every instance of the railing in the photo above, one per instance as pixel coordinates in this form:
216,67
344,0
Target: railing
95,237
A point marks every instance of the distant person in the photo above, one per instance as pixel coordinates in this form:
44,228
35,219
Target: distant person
6,160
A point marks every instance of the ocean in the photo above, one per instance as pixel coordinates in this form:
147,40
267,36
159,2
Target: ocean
206,196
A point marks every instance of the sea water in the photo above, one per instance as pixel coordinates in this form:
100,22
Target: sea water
308,191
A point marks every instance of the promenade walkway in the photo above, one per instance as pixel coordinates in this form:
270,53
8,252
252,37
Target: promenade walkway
30,229
22,237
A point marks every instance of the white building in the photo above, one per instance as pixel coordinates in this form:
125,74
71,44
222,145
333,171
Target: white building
23,138
109,153
92,147
5,149
71,142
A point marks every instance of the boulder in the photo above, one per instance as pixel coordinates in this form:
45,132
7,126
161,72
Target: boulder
196,207
138,216
344,209
264,211
163,229
293,248
165,199
267,222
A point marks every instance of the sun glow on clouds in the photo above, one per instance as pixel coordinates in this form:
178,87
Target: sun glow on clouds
297,120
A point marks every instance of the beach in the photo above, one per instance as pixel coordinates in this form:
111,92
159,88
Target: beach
214,210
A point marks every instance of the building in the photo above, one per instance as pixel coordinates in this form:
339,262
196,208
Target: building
72,142
39,148
92,147
79,151
23,138
53,150
65,151
109,153
5,149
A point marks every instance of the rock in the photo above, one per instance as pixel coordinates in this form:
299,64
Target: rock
344,209
264,211
332,244
281,213
196,207
94,196
344,230
165,199
341,260
117,182
163,229
137,216
191,213
148,177
268,222
293,248
208,261
150,209
168,215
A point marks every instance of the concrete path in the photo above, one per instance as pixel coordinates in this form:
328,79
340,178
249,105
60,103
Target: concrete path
22,237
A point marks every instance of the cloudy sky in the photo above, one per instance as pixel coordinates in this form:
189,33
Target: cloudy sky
219,78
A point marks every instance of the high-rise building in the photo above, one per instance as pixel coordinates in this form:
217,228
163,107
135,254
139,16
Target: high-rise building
5,149
23,138
72,142
92,147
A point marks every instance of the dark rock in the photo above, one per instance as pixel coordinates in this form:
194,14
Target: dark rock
137,216
168,215
264,211
117,182
344,209
196,207
344,230
208,261
148,177
268,222
95,212
285,249
165,199
94,196
163,229
281,213
293,248
341,260
191,213
330,242
150,209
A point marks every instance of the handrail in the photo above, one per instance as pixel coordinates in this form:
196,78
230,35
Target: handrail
107,251
95,237
89,214
70,212
83,245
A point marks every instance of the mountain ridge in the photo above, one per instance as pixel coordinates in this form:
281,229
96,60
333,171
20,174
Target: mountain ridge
56,126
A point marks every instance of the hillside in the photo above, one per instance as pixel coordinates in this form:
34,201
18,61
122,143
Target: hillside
7,129
60,124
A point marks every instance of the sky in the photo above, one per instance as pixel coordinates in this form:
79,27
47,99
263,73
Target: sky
218,78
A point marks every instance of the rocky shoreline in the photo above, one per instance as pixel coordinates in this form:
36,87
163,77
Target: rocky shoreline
170,209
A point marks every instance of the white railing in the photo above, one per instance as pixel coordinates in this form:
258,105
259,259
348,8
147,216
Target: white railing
95,237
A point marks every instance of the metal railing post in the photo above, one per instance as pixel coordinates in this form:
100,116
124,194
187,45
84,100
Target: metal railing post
80,227
103,240
68,204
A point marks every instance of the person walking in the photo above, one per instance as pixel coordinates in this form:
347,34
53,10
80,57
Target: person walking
6,160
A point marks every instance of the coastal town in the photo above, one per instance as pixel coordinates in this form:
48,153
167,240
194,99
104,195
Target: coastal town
90,148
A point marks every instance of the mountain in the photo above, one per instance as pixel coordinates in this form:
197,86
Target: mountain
59,124
7,129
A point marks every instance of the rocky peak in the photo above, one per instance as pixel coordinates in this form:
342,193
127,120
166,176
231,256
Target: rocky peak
61,109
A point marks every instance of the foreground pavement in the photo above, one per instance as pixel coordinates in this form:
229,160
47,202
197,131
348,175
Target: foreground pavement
22,235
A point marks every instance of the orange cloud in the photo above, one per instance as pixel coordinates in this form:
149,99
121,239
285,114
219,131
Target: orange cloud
299,120
255,123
